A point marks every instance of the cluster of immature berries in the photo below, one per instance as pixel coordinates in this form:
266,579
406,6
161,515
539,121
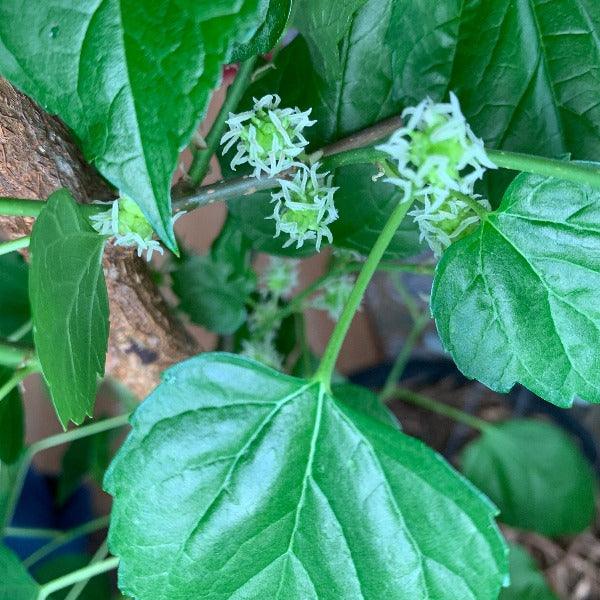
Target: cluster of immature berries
435,160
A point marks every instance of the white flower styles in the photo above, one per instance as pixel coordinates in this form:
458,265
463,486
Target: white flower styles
435,148
334,296
126,223
268,138
280,277
304,208
443,218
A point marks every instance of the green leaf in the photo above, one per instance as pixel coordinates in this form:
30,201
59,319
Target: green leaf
69,304
91,456
535,474
131,80
17,584
324,24
14,299
361,399
214,289
269,33
526,581
340,103
247,484
524,70
364,208
12,422
516,301
98,588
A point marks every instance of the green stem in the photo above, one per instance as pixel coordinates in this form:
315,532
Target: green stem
78,588
366,154
50,442
325,371
78,433
64,538
441,409
236,90
20,332
547,167
12,245
31,532
407,298
16,379
391,383
297,304
15,355
80,575
479,210
20,207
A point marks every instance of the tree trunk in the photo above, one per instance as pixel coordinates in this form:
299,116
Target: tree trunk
38,156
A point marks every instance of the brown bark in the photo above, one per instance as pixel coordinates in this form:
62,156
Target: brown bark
38,156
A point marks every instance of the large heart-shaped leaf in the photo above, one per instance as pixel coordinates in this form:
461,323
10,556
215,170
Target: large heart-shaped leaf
239,482
132,79
518,300
16,584
525,70
69,303
535,474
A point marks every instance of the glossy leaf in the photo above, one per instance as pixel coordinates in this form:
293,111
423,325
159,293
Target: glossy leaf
16,584
535,474
69,304
267,36
517,300
340,103
14,298
214,289
526,580
324,24
12,422
131,80
363,400
364,208
524,70
246,483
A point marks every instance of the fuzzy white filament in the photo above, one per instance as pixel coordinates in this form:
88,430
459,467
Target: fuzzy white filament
304,207
268,138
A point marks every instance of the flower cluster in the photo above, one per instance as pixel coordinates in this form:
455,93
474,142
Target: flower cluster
437,149
438,159
334,296
444,219
262,350
125,221
280,277
304,207
268,138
